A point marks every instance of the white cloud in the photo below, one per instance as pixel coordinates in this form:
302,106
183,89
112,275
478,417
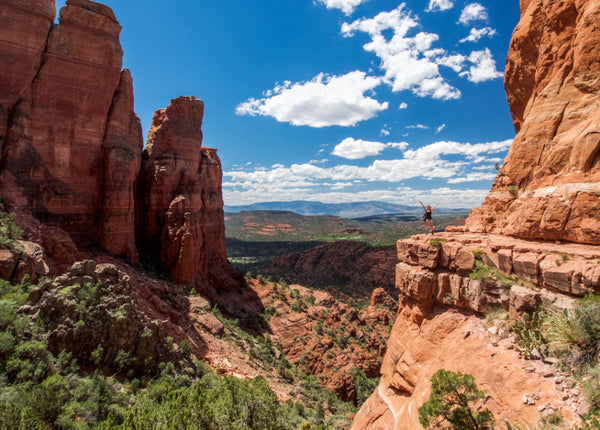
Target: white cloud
346,6
409,62
473,12
426,162
477,33
440,128
323,101
455,62
439,5
420,126
403,106
356,149
473,177
447,197
483,68
385,130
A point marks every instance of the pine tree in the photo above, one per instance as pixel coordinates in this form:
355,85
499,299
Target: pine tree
448,404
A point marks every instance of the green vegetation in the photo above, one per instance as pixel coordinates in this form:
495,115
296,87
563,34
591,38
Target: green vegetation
42,390
9,230
437,242
249,247
513,190
574,337
529,334
450,403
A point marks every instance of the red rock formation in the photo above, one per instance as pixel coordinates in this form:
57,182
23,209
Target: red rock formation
358,267
57,127
181,213
459,342
553,166
439,326
121,160
71,146
24,27
318,333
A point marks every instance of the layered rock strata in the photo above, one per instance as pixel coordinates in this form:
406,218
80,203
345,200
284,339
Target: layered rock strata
549,185
71,146
443,271
446,283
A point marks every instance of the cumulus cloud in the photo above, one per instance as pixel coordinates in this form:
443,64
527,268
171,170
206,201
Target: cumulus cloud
473,12
346,6
403,106
419,126
425,162
385,130
439,5
409,62
448,197
477,33
325,100
356,149
483,67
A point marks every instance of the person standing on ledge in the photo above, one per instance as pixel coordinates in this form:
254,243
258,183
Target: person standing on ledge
428,218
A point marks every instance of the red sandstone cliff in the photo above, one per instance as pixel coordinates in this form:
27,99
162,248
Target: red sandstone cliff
548,189
181,213
71,147
553,166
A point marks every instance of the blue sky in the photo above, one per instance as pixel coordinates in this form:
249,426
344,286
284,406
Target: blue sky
333,100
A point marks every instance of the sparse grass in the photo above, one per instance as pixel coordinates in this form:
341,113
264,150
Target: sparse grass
437,242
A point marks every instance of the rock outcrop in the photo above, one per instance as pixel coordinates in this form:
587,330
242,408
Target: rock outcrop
181,213
446,283
90,312
71,147
549,185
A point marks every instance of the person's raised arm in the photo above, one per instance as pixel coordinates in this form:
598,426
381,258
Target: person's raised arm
422,205
435,207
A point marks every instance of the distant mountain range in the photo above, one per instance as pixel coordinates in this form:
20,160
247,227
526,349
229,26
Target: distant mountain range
344,210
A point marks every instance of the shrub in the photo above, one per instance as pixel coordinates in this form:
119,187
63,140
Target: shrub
529,334
186,347
437,242
449,403
9,230
513,190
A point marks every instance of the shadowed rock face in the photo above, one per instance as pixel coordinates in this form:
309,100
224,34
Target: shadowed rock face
553,167
71,144
181,215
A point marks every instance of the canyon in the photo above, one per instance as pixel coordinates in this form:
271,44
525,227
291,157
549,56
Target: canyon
103,214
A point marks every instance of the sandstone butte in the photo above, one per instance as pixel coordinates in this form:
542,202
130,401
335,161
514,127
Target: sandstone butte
549,185
547,192
72,162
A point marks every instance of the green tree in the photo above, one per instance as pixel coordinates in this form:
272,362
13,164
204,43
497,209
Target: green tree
448,404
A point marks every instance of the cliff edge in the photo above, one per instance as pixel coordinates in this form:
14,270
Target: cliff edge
549,185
